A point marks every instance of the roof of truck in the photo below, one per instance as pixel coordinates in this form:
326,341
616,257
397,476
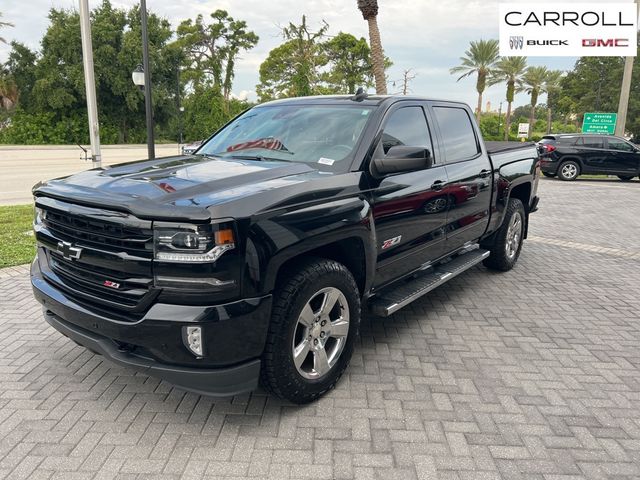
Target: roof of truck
369,100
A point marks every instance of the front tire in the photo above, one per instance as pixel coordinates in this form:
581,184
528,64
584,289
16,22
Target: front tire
625,178
314,324
508,240
568,171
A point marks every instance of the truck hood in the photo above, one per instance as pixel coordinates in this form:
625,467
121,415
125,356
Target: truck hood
179,187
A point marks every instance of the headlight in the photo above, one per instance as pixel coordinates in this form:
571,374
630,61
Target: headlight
38,216
193,243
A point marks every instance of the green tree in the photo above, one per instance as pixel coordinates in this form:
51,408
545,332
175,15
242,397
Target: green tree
593,85
58,93
552,87
510,71
211,50
293,69
206,111
307,55
238,39
369,10
480,59
534,83
2,25
20,70
350,63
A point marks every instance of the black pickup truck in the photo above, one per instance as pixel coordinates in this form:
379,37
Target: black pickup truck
253,258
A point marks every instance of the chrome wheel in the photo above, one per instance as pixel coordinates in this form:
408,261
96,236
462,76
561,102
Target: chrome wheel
514,233
321,333
569,170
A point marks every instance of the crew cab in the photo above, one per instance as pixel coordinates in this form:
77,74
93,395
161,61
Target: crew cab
570,155
254,258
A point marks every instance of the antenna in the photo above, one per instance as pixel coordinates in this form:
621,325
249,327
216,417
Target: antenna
360,95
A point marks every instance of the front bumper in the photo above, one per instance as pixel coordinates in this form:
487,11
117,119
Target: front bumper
234,337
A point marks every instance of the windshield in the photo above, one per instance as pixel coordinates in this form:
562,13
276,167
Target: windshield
324,135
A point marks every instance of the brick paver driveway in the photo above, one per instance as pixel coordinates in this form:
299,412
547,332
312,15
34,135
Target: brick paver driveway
530,374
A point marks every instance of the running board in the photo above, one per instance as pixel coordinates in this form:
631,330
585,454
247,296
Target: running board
390,302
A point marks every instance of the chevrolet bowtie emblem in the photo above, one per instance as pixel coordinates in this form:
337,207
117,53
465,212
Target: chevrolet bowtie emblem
68,251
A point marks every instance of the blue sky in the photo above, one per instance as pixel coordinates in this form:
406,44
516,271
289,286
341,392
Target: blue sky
427,36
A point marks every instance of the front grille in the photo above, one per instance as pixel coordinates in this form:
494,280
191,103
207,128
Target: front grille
92,231
128,293
112,273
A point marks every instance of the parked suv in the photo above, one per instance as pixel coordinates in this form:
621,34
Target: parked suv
571,155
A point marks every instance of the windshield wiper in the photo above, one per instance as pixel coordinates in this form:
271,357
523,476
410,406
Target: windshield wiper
260,158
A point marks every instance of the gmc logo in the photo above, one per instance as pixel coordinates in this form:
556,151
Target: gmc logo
601,42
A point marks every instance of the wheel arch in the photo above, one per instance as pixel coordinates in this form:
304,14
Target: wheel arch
523,193
350,251
571,158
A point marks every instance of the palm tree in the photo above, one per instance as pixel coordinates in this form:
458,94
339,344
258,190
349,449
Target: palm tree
369,9
533,82
4,24
509,70
552,87
480,59
8,93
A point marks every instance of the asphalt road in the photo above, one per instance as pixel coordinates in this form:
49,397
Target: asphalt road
22,167
533,374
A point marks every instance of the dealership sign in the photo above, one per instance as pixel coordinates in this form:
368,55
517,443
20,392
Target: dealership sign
568,29
599,123
523,130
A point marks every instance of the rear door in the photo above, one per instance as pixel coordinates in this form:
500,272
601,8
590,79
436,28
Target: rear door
623,158
408,209
591,151
468,188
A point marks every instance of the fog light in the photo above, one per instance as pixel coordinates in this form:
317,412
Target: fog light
193,339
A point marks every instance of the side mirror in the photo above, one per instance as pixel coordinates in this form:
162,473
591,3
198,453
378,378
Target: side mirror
401,158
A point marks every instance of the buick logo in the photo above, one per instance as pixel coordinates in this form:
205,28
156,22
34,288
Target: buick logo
68,251
515,43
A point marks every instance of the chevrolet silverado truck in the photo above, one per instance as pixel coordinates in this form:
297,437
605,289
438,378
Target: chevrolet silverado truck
252,260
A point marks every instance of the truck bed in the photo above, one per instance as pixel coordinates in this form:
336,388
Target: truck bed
500,146
502,153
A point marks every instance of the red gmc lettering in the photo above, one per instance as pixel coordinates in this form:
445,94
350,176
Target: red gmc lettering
609,42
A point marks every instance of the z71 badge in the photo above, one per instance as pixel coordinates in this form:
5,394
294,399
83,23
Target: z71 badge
391,242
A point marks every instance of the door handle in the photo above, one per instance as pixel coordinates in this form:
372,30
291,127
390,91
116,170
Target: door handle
484,173
437,185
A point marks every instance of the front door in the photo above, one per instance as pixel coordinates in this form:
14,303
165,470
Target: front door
409,209
622,157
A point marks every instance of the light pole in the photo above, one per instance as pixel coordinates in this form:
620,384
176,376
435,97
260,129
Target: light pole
90,83
147,80
625,90
499,118
180,109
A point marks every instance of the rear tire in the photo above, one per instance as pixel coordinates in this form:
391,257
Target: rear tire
508,240
314,324
548,175
568,170
625,178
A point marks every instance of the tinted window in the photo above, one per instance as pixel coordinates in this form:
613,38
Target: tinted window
406,126
619,145
457,133
591,142
567,140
